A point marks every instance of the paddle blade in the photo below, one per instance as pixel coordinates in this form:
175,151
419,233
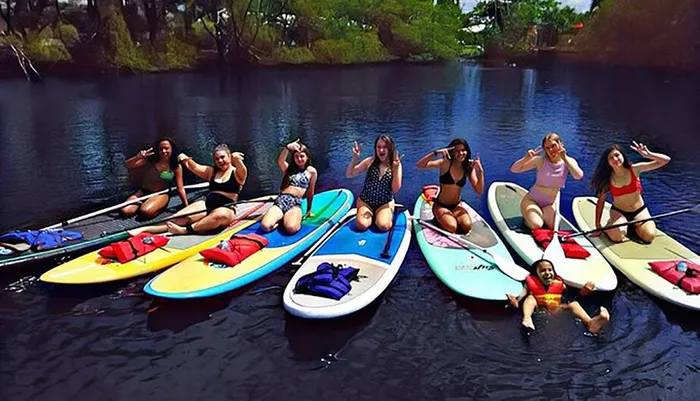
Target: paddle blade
554,252
509,268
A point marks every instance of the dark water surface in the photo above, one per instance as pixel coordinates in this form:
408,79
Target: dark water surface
62,149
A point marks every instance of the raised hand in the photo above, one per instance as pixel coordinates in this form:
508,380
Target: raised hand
588,288
476,164
397,159
237,155
533,152
356,149
146,153
513,300
640,148
562,151
445,152
294,146
182,157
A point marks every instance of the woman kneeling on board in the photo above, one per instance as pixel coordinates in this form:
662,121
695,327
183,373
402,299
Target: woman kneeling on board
161,171
225,183
447,207
544,290
615,174
537,207
299,180
382,182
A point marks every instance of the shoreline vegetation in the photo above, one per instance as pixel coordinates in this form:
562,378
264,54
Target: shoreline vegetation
118,37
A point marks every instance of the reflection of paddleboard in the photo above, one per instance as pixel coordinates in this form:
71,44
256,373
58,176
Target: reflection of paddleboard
466,271
195,277
632,258
361,250
504,204
93,268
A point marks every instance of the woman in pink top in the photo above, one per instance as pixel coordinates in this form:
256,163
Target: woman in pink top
537,207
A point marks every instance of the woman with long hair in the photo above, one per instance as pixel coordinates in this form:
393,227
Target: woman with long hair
538,206
616,175
299,181
382,182
455,161
226,179
161,171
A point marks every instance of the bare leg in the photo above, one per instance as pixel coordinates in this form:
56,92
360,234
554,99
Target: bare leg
463,219
384,217
163,227
154,205
548,213
532,213
593,324
616,234
219,217
292,220
529,306
271,218
130,210
445,218
647,230
364,216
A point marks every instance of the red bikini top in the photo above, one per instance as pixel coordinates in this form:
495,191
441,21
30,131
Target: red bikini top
635,185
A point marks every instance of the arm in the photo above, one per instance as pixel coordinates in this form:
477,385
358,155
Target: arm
396,174
477,176
599,206
181,186
573,167
354,169
203,172
282,160
241,169
515,302
311,191
139,159
425,162
588,288
527,162
658,160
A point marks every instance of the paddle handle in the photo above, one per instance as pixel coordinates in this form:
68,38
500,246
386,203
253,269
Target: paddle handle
658,216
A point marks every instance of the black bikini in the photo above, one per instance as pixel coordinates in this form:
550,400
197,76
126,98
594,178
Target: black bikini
447,179
216,200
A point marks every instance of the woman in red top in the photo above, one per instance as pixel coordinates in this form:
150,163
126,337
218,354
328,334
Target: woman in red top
615,174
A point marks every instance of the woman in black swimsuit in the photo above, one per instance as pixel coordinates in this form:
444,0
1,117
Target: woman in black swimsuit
225,183
447,207
159,171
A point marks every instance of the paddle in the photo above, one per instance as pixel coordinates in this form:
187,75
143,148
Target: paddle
323,239
695,208
385,253
508,267
554,252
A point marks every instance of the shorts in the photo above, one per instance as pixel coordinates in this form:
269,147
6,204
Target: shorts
286,202
215,200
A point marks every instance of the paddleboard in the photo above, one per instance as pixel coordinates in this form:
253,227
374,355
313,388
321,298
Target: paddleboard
362,250
93,268
100,228
504,204
196,277
632,258
466,271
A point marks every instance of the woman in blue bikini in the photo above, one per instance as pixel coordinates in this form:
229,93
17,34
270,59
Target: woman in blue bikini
538,206
161,172
299,181
447,207
382,182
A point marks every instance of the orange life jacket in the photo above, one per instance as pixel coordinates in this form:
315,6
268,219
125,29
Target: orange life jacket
550,297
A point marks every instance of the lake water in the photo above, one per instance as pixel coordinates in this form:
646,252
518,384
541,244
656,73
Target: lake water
62,149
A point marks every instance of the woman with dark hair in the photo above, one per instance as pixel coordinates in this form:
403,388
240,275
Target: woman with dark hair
538,206
447,207
226,181
299,180
162,170
382,182
615,174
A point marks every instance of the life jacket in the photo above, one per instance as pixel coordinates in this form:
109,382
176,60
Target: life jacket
430,192
688,280
40,240
571,248
236,249
550,297
328,281
134,247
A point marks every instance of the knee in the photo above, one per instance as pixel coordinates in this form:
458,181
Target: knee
466,227
292,228
647,236
616,235
128,211
534,223
362,224
220,218
383,226
449,225
148,212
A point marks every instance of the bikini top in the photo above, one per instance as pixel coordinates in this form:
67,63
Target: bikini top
448,179
299,179
551,175
167,176
635,185
230,186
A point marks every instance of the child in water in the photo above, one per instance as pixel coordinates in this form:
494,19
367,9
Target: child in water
545,290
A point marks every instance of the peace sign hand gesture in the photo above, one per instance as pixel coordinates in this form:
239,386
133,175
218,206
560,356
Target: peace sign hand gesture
476,164
533,152
355,149
641,149
146,153
294,146
397,159
237,155
445,152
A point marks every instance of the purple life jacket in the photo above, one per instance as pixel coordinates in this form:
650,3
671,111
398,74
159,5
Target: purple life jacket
328,281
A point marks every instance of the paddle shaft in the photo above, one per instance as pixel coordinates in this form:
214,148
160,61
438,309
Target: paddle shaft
658,216
385,252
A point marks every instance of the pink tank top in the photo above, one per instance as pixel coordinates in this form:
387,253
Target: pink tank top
550,175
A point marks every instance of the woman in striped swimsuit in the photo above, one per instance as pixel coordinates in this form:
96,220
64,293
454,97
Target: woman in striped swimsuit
382,182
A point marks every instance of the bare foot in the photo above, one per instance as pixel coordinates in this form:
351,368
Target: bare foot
175,229
599,321
528,324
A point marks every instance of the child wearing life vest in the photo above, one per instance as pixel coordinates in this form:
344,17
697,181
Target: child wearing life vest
545,290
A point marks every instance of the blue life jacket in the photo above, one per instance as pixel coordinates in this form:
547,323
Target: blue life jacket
328,281
41,240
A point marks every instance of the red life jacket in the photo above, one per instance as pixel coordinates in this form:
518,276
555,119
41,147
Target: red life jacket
235,250
688,280
430,192
132,248
571,248
551,297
